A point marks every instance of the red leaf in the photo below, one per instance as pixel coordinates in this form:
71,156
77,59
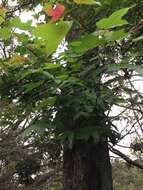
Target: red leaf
56,12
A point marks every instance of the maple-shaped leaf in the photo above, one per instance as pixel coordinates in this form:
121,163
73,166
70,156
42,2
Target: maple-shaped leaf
56,12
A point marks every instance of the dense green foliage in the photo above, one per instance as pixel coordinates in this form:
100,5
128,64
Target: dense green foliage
54,96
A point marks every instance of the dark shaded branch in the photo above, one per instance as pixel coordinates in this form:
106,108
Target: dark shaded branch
126,158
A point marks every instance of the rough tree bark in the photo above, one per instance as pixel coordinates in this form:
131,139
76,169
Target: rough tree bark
87,166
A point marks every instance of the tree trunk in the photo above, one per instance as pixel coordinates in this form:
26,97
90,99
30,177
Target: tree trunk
87,166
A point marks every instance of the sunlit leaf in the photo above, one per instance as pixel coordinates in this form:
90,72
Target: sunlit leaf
52,34
114,20
88,2
51,66
5,33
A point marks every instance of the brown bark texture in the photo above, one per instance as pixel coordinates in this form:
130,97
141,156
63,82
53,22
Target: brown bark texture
87,166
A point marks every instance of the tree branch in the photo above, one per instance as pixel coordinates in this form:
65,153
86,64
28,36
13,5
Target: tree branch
126,158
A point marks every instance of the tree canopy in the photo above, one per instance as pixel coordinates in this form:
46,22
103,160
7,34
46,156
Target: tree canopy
61,76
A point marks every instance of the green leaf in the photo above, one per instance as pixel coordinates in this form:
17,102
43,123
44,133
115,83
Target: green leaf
114,20
49,66
85,43
29,72
31,86
87,2
52,34
22,37
5,33
62,77
49,102
125,65
16,23
48,75
38,127
115,35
